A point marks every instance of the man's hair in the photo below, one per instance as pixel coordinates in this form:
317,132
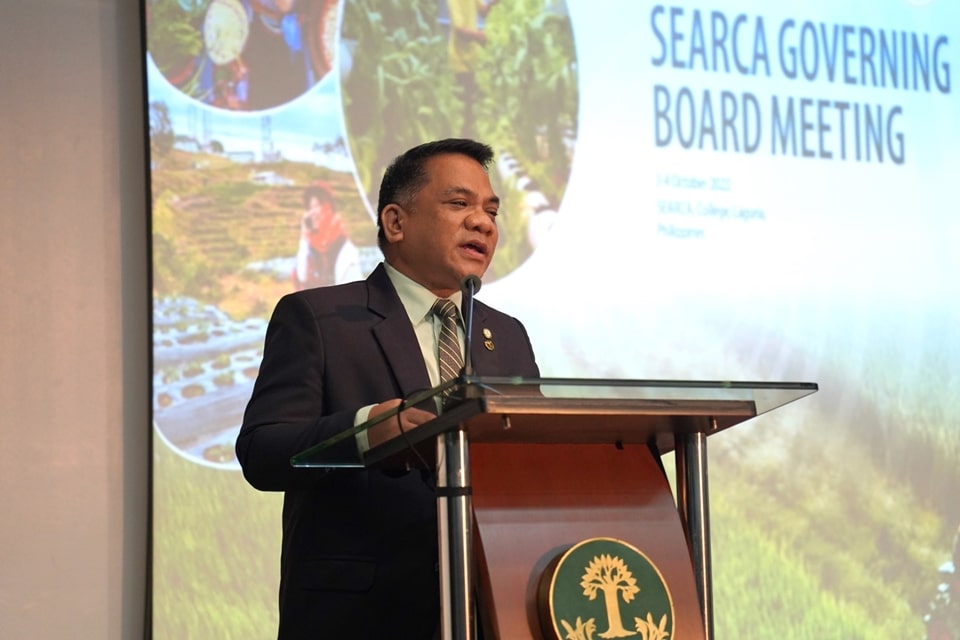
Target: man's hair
407,174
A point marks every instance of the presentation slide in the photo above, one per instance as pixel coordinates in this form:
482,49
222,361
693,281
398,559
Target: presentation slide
727,190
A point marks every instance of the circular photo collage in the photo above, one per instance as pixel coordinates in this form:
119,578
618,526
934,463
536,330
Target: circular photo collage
271,122
242,55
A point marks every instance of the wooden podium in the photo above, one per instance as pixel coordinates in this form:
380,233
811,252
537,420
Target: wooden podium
527,469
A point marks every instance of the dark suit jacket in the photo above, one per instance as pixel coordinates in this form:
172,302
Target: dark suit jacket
359,549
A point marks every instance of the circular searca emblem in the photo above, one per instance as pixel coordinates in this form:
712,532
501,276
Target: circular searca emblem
605,588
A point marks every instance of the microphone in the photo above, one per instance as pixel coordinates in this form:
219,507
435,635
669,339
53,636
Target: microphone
469,285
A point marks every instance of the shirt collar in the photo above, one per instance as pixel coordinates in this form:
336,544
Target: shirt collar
416,299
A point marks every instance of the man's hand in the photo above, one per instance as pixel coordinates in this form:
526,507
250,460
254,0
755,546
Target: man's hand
389,429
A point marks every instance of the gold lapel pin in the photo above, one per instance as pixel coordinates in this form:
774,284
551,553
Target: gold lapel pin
488,343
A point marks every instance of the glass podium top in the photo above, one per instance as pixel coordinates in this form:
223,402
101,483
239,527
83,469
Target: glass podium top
568,410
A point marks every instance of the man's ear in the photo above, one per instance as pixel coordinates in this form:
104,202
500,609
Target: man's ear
392,218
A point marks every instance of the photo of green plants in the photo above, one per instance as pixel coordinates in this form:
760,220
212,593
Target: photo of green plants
400,88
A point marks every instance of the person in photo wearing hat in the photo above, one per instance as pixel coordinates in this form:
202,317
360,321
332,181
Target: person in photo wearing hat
325,254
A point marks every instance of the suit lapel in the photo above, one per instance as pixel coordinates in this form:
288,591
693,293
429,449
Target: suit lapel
395,335
484,359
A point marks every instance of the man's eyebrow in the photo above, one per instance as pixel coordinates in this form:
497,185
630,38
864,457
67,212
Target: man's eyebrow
463,191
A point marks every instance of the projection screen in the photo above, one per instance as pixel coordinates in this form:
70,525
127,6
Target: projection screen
723,191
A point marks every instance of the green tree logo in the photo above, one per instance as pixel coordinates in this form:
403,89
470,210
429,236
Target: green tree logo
600,583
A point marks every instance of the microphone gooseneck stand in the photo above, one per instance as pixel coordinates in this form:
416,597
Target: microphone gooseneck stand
454,505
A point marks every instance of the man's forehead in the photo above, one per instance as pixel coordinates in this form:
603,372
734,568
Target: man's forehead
445,176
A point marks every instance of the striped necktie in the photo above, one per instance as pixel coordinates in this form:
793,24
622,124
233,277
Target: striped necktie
451,361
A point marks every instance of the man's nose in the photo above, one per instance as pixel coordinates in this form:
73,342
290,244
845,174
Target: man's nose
481,221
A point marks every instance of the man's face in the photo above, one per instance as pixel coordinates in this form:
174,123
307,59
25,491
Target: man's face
449,229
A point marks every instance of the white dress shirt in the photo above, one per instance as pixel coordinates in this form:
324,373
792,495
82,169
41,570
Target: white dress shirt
417,300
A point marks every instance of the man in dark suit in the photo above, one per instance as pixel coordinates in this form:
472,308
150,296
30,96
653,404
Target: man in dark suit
359,553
